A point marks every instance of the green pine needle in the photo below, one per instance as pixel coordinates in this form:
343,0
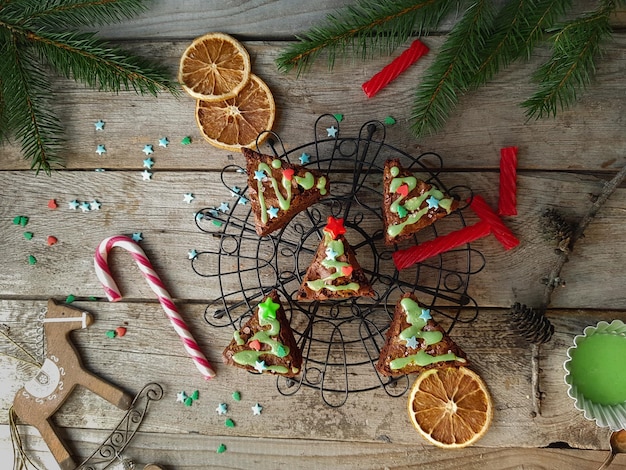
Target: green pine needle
368,27
445,79
576,46
36,32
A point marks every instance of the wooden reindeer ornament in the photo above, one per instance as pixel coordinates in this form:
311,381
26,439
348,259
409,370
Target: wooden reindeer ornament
62,371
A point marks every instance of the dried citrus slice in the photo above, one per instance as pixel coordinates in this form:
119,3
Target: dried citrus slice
236,122
450,407
214,67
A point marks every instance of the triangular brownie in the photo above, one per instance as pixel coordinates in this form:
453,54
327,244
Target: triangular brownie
335,272
410,204
265,344
415,342
279,190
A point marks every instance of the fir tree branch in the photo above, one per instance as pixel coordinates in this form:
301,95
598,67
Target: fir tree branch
446,76
569,70
369,25
81,12
83,57
518,28
27,94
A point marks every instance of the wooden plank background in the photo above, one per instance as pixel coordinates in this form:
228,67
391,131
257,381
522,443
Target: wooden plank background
563,164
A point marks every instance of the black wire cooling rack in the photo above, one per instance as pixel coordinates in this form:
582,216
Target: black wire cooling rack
340,340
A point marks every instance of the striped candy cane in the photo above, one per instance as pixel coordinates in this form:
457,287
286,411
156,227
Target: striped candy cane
113,293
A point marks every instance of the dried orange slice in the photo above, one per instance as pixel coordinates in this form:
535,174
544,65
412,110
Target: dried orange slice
214,67
450,407
236,122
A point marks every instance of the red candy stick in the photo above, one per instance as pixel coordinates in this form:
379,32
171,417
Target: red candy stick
499,230
394,68
507,204
406,258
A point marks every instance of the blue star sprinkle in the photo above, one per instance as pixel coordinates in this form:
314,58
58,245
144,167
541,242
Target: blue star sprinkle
223,207
259,175
214,213
99,125
411,342
163,142
222,408
74,204
95,205
192,254
332,131
433,202
137,236
425,314
188,197
146,175
85,206
305,158
100,150
330,253
272,212
199,215
147,149
242,200
234,191
148,163
260,366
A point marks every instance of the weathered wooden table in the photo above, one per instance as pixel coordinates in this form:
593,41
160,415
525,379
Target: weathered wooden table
563,165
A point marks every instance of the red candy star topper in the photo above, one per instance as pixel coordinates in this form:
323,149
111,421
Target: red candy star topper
335,227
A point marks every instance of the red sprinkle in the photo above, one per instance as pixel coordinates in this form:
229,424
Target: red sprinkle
51,240
288,173
255,344
120,331
52,204
346,270
403,190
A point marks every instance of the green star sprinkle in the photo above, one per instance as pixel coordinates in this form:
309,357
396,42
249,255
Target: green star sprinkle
186,140
229,423
110,334
195,395
390,121
338,117
221,449
32,260
188,401
70,298
236,396
20,220
28,235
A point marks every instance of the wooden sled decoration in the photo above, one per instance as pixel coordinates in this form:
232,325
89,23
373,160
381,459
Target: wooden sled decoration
62,371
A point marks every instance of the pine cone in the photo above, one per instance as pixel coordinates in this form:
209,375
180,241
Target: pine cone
555,227
531,324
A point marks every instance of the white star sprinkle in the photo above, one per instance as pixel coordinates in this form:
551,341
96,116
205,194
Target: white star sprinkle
181,397
95,205
146,175
188,197
260,366
256,409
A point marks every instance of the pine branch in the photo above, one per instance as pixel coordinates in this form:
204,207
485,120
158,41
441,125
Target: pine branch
576,46
33,32
83,57
367,27
519,26
79,13
27,95
445,79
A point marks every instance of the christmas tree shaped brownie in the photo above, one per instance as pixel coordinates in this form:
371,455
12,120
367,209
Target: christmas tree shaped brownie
415,342
410,204
279,190
265,344
335,272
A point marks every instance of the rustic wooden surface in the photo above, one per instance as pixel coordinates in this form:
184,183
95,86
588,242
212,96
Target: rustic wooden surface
563,164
